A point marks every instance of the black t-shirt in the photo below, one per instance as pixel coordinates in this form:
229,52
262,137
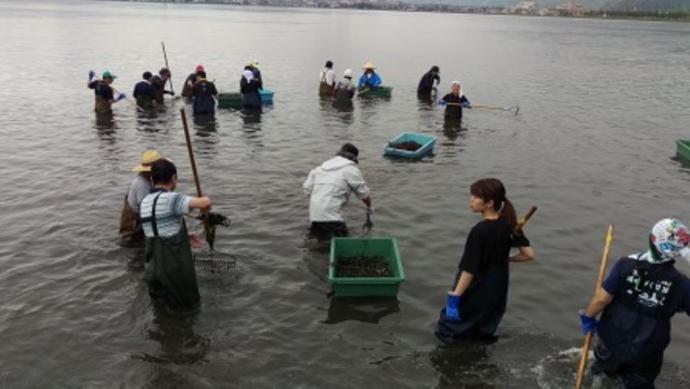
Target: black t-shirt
488,245
455,110
143,89
102,89
426,84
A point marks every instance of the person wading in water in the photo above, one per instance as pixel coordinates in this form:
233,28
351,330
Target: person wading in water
103,91
329,187
169,268
143,91
344,90
428,83
204,93
454,102
158,84
327,77
638,298
369,79
477,299
131,232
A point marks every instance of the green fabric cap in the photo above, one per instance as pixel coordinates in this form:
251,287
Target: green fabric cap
108,74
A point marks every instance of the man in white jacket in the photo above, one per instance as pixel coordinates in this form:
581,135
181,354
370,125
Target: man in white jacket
329,186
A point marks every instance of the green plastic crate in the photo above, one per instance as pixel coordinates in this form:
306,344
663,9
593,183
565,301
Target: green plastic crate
382,91
230,100
683,149
366,286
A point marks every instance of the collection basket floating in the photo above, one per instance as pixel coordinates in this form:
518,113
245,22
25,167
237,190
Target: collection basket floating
382,91
683,149
230,100
267,96
399,147
234,100
384,249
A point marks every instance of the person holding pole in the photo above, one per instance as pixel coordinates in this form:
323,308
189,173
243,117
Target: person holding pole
103,91
169,268
637,300
158,84
477,299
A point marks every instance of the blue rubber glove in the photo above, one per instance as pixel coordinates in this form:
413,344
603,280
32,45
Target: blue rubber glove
453,307
589,324
442,102
121,96
92,74
467,105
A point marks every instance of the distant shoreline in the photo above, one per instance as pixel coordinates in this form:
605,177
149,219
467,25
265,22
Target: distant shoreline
678,16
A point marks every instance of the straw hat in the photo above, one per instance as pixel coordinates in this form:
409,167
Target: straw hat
147,159
369,65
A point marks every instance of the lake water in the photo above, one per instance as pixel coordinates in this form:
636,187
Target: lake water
601,105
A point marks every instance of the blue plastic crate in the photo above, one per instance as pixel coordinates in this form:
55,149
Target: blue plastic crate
427,143
267,96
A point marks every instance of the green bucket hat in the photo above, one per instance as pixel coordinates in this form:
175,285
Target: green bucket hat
109,75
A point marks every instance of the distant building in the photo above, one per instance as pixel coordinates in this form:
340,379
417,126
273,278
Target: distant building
527,5
572,8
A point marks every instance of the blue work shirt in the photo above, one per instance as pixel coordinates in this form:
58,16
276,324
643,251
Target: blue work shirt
369,80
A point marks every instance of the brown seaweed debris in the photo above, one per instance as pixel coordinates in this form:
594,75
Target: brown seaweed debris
363,266
409,146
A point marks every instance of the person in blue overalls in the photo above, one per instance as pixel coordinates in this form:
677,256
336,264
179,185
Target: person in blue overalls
169,269
638,298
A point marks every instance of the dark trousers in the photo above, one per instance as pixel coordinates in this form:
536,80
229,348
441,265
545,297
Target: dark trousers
328,230
634,375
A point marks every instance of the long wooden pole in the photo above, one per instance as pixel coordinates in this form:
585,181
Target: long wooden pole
183,114
165,56
588,337
525,219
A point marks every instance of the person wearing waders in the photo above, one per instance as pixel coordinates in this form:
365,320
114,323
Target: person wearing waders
169,269
131,231
327,80
204,93
429,83
143,91
329,187
477,299
638,298
158,85
249,87
103,91
454,102
344,90
188,88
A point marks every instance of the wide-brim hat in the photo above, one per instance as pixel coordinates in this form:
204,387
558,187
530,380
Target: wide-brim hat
369,65
147,159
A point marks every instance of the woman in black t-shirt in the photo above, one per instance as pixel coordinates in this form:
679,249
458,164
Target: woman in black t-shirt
477,299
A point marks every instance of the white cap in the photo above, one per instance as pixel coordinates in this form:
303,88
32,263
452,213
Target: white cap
347,73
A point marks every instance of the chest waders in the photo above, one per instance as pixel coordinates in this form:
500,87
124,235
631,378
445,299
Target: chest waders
169,269
325,89
131,232
102,105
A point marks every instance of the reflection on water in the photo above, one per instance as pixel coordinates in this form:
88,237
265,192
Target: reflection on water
105,122
174,332
467,365
366,310
580,148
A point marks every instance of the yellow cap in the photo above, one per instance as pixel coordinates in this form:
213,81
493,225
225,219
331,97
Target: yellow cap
369,65
147,159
